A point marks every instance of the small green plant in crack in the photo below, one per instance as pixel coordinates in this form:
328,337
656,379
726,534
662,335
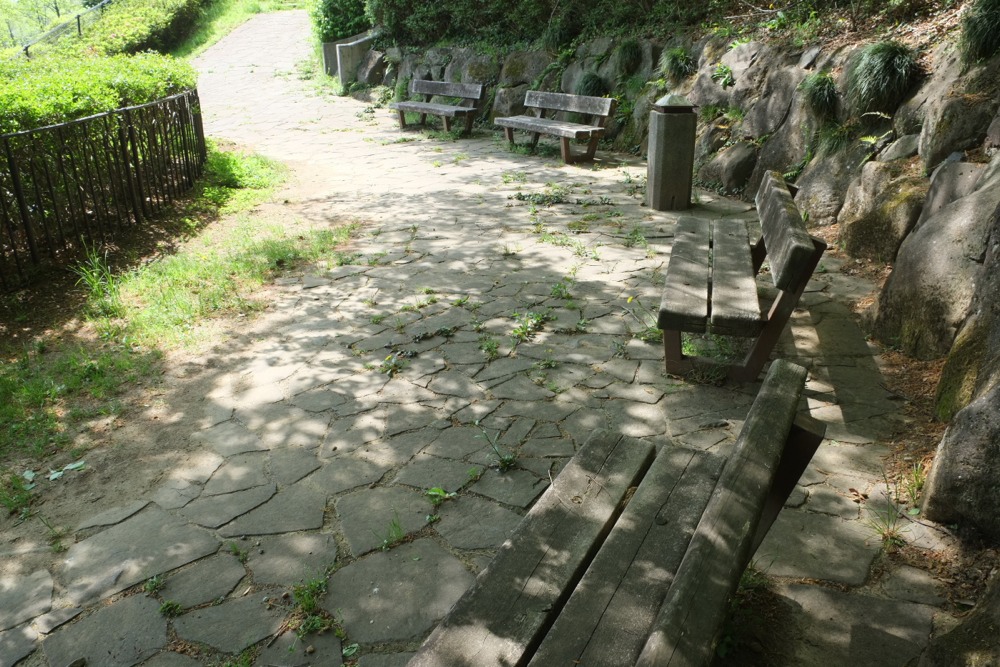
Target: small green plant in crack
723,75
561,290
636,239
544,364
913,483
438,495
528,324
171,609
153,585
508,251
377,258
648,331
461,301
513,177
240,554
887,520
504,460
377,319
394,534
490,347
392,364
55,535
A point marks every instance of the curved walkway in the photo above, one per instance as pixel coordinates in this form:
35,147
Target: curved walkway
304,456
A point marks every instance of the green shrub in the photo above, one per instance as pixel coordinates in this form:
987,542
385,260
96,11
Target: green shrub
45,91
592,85
337,19
131,26
628,57
880,75
677,64
981,30
820,91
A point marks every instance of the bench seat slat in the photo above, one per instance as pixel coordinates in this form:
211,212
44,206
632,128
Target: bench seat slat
552,126
690,621
735,308
684,306
433,108
610,614
515,599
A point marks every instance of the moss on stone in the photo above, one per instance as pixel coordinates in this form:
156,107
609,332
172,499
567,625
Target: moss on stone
961,370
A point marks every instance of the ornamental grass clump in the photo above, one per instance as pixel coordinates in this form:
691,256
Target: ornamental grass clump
628,57
591,85
677,64
820,91
981,30
880,76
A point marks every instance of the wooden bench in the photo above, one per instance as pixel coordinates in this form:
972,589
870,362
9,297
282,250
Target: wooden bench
631,556
471,95
547,105
711,282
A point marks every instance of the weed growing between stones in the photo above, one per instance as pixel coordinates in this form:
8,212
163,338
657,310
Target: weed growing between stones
394,534
171,609
528,324
504,460
438,495
887,521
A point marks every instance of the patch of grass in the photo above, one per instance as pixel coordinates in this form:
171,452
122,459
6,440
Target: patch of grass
504,461
15,493
490,347
820,92
628,57
676,64
980,30
153,585
880,75
527,325
171,609
592,85
513,177
438,495
240,554
561,290
394,534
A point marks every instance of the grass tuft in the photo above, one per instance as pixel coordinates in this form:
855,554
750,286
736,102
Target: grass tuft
628,57
981,30
880,75
592,85
820,91
677,64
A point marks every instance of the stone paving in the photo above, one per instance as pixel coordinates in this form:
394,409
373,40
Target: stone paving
368,383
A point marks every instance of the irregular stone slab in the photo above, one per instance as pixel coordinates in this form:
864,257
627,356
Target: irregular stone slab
229,438
396,595
24,598
319,400
17,643
299,507
231,626
290,465
113,515
288,650
474,523
522,389
120,635
52,620
427,471
514,487
170,659
148,543
368,518
806,545
556,447
203,582
344,472
390,660
238,473
456,442
638,420
214,511
911,584
301,557
454,383
851,629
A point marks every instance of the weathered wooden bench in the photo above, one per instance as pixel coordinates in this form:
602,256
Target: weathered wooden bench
545,106
470,94
631,556
711,282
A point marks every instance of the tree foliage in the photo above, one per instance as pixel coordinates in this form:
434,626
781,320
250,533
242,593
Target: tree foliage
337,19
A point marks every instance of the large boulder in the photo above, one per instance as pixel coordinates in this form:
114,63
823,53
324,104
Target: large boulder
467,66
973,642
881,207
731,168
524,67
509,101
823,184
371,71
946,68
938,266
950,181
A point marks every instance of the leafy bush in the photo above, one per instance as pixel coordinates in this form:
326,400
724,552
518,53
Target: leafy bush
677,64
45,91
337,19
820,91
420,23
723,75
981,30
628,57
131,26
592,85
880,75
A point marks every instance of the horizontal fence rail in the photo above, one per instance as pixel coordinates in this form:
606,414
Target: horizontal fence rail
65,186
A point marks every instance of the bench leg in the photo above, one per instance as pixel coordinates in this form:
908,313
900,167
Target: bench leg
673,356
564,146
468,123
447,123
402,119
592,147
534,139
509,133
423,119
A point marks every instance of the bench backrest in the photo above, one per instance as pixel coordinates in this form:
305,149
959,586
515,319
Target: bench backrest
470,92
592,106
790,248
